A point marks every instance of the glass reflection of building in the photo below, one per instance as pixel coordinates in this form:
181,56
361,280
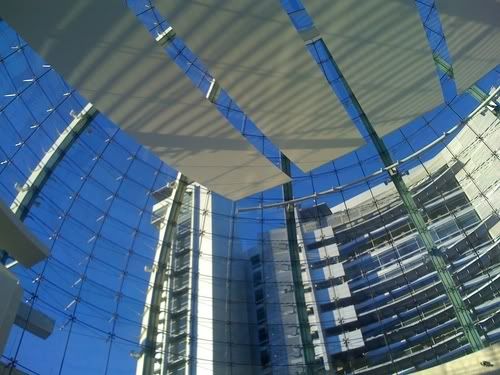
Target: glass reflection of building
375,304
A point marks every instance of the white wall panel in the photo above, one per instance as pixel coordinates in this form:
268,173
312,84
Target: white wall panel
382,50
10,295
102,50
472,32
252,48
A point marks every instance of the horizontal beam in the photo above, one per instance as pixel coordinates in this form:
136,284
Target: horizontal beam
18,241
10,297
29,191
34,321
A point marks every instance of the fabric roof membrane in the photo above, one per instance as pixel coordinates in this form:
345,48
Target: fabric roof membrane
255,53
382,51
102,50
472,32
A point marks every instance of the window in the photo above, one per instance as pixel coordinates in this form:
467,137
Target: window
177,349
261,314
182,261
183,241
181,281
264,358
177,370
255,260
263,336
468,219
257,278
179,302
259,295
178,325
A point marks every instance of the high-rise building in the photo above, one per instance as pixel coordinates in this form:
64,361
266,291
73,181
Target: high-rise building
375,304
191,323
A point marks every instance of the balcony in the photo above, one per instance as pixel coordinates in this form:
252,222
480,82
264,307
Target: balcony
322,253
328,272
338,317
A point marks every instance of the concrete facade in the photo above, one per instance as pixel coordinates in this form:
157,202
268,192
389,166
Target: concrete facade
199,330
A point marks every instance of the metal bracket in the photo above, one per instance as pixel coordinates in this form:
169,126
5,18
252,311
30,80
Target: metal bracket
165,37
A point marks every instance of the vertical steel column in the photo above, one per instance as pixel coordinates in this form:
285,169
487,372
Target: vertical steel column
161,273
298,286
475,91
435,255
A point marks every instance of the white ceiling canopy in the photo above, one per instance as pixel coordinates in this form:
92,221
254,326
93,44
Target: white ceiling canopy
103,51
472,32
253,50
382,51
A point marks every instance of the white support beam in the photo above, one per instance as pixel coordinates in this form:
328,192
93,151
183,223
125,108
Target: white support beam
29,191
10,297
18,241
34,321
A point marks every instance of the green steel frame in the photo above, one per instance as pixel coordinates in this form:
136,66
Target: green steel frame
436,257
475,91
291,226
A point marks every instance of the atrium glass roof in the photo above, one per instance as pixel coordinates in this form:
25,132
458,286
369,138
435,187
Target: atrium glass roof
93,207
